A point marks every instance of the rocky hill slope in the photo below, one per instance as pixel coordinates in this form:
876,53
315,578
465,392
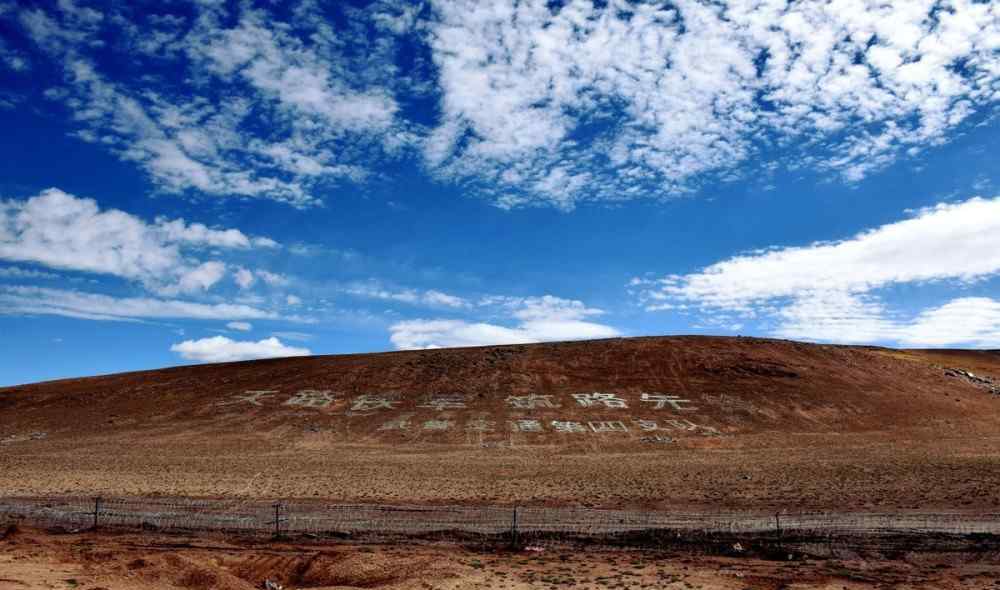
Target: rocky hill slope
467,424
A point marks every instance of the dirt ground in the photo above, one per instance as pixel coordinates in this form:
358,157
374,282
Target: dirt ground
33,559
855,472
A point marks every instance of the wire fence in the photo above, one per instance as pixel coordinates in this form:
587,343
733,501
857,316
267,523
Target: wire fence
476,524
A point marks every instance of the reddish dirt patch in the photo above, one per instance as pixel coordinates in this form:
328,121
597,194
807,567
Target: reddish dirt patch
33,559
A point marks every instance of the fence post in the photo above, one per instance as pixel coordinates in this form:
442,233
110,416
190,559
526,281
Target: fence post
513,531
277,520
97,509
777,527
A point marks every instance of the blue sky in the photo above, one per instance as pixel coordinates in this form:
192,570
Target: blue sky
203,181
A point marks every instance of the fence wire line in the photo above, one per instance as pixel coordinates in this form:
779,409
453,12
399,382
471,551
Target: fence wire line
374,522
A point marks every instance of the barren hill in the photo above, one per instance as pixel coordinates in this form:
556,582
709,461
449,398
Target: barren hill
662,421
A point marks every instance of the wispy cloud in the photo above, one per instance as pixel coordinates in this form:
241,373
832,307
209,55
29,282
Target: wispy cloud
219,349
296,336
433,298
13,272
12,59
77,304
830,291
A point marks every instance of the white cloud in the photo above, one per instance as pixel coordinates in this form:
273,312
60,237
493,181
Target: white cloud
219,349
293,300
273,279
13,59
77,304
536,319
297,336
438,298
198,234
539,102
200,278
549,308
240,326
13,272
966,320
257,111
432,298
841,317
279,67
244,278
59,230
837,316
677,91
831,291
959,241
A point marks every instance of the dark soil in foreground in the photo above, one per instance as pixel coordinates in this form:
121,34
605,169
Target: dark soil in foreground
33,559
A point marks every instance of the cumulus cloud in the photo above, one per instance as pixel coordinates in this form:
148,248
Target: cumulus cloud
830,291
219,349
62,231
82,305
240,326
536,319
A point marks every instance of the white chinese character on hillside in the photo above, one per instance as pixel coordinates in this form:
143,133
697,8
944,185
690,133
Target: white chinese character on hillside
368,403
682,424
253,396
689,426
608,426
445,402
312,398
562,426
609,400
657,439
660,401
481,425
531,402
400,423
437,425
647,425
526,425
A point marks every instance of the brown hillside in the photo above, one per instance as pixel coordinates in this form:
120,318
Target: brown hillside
695,419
